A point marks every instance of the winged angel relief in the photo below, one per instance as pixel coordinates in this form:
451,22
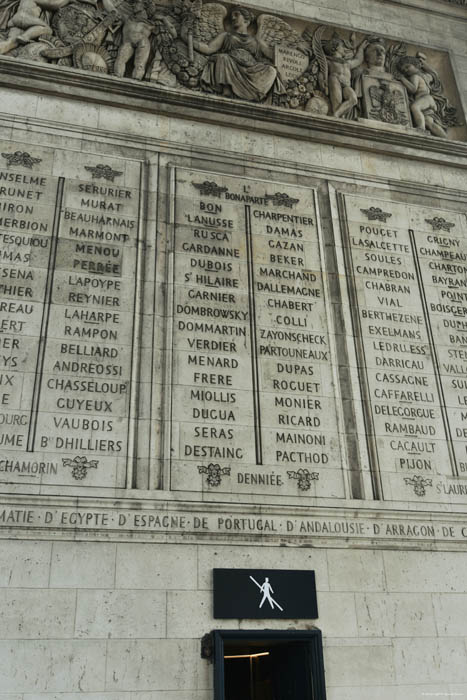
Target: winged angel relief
203,46
235,63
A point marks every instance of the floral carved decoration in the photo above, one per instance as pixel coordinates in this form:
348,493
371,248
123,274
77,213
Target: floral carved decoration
419,484
304,477
214,473
438,223
79,466
103,171
210,188
376,214
281,199
21,158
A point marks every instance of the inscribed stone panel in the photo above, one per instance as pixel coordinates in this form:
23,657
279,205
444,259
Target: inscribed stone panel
253,404
407,266
69,248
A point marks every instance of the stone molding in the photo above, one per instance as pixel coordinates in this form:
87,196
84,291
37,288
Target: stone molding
217,167
102,89
222,50
443,8
164,520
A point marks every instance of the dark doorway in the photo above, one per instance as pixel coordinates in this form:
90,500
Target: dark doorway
269,665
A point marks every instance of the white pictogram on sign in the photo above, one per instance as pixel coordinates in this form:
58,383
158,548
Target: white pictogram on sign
266,589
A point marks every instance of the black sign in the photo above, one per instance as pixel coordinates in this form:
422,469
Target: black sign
259,594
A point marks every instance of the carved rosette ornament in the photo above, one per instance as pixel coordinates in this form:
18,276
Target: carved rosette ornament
94,58
419,484
231,52
438,223
304,477
21,158
79,466
209,188
103,171
214,473
376,214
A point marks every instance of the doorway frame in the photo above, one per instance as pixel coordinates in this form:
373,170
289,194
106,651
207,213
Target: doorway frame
313,637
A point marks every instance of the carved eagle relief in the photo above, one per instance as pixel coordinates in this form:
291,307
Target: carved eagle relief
388,104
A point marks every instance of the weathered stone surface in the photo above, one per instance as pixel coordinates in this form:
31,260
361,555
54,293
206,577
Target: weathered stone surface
107,550
408,274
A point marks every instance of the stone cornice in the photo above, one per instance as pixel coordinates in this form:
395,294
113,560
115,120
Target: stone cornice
126,93
443,8
146,518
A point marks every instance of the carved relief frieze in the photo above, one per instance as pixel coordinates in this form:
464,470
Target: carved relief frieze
232,52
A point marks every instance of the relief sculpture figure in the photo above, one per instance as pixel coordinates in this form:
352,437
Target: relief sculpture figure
418,79
227,50
237,67
136,33
241,63
375,54
29,21
380,96
337,60
374,61
135,36
429,108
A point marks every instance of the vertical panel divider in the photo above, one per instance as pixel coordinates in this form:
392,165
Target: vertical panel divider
45,318
362,369
253,338
353,486
168,349
135,372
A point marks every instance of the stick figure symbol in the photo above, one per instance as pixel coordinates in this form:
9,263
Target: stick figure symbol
266,589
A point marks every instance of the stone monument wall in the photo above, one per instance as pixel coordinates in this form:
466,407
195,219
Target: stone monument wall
233,334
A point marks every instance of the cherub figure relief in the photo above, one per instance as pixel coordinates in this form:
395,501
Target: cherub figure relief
135,38
337,59
418,77
29,21
430,109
